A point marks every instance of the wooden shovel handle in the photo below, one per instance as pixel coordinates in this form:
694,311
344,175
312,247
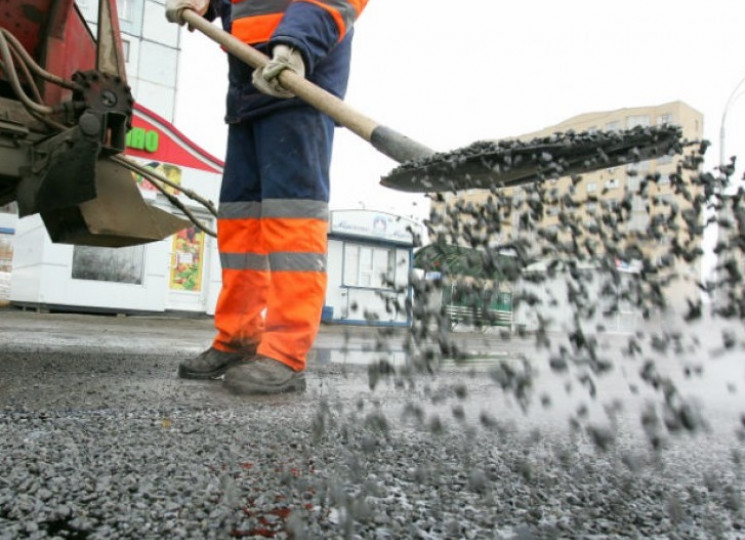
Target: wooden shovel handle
391,143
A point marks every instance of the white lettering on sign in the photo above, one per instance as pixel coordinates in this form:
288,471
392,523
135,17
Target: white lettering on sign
374,225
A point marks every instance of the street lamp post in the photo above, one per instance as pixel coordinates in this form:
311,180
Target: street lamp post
725,211
732,98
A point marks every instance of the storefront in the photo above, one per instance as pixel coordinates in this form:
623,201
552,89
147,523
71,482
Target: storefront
180,273
369,261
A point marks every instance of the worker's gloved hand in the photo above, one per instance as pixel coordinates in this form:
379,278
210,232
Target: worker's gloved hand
175,7
283,57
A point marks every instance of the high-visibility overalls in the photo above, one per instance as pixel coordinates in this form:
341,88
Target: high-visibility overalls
273,213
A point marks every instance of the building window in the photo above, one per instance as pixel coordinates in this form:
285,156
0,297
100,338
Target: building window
117,265
665,119
125,9
664,160
637,120
633,182
610,204
125,49
613,126
612,184
590,223
664,199
638,168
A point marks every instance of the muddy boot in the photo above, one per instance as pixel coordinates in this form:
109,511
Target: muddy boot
211,364
264,376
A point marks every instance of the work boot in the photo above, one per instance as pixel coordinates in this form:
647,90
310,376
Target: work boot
264,376
211,364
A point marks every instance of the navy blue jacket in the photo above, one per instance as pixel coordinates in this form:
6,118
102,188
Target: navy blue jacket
309,29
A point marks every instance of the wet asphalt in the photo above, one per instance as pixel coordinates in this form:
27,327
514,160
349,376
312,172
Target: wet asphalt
100,439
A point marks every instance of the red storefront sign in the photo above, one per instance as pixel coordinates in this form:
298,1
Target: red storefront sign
153,138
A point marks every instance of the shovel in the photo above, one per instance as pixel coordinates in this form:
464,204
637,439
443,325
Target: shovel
481,165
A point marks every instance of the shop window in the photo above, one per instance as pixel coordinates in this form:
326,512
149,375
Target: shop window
117,265
371,267
365,269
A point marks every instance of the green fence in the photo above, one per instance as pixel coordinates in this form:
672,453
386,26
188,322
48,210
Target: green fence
469,305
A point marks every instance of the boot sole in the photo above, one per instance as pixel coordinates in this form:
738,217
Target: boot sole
295,385
186,373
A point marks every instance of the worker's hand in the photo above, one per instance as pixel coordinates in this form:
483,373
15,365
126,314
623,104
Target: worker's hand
174,8
283,57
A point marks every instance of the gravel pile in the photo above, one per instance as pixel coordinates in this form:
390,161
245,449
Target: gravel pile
356,469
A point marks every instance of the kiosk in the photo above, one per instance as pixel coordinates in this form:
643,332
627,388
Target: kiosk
370,258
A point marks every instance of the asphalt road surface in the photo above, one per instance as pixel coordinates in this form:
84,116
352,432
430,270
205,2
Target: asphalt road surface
100,439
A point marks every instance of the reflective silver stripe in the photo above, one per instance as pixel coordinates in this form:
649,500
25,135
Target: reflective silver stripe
244,261
345,9
297,262
275,208
239,210
252,8
294,208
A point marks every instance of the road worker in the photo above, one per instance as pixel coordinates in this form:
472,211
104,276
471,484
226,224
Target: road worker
273,211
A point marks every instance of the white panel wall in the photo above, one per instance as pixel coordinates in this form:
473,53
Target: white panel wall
157,98
155,26
28,252
132,58
158,64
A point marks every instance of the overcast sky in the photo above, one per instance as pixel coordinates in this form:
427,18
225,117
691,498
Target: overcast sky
450,73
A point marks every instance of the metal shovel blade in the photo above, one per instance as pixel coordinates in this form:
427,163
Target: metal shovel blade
117,217
487,165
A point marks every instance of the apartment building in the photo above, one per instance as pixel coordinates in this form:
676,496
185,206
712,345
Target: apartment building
635,214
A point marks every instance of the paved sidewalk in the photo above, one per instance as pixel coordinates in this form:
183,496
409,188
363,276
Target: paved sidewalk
30,329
